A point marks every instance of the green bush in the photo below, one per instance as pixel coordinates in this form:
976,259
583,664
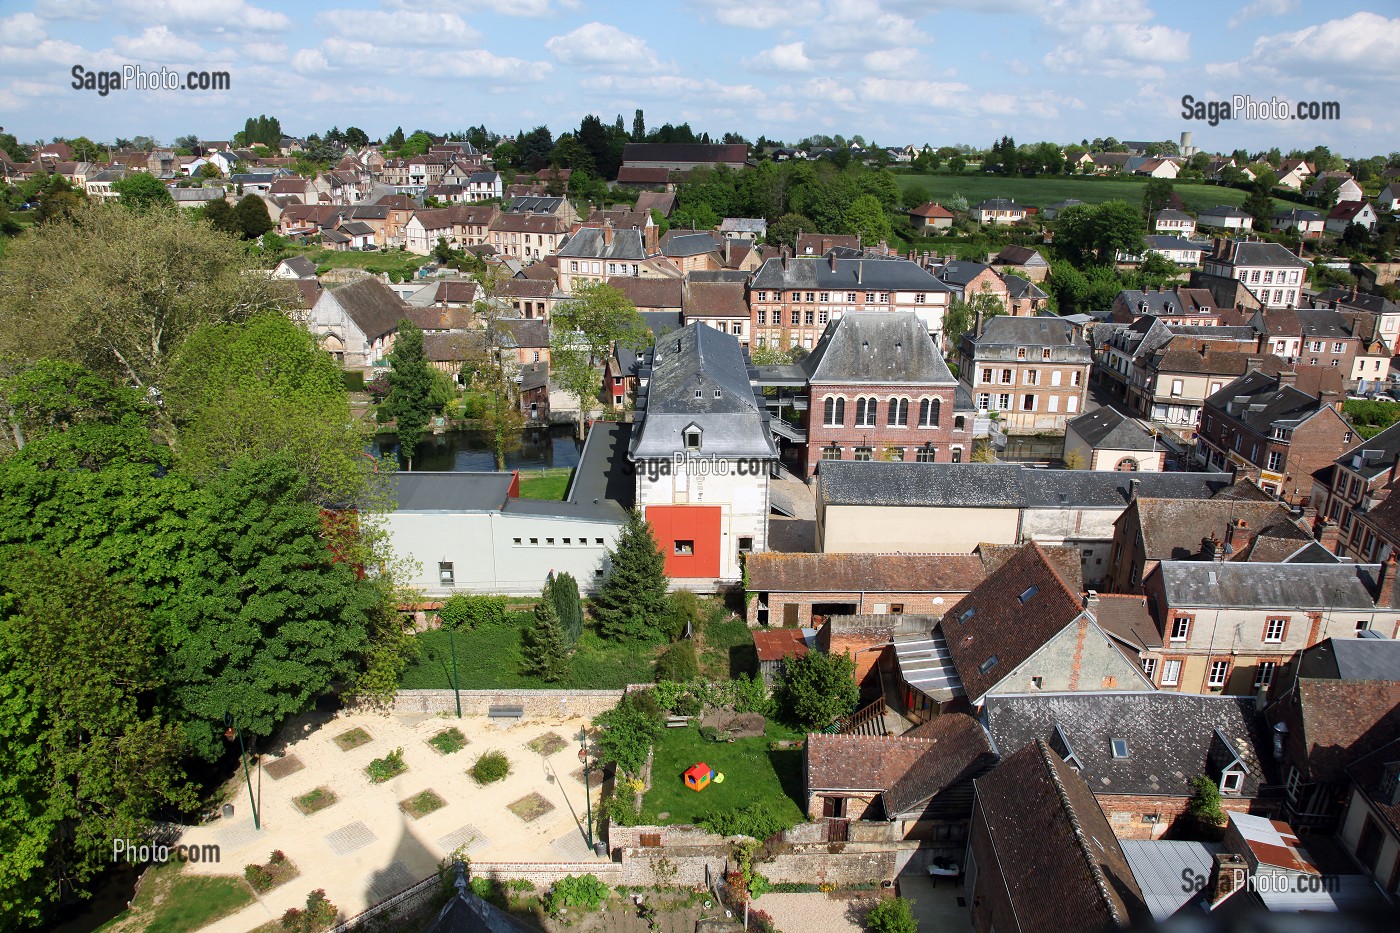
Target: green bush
257,876
743,695
892,916
391,765
1370,418
491,767
585,893
621,808
816,689
354,381
682,606
678,662
757,820
709,733
468,612
629,729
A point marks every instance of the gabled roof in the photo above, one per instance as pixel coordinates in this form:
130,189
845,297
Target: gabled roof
1173,529
1224,210
1109,429
663,201
847,275
703,298
1021,256
302,267
1169,214
1374,457
879,348
932,210
1170,737
685,152
1063,869
373,307
533,204
1007,331
592,243
1245,585
452,348
643,175
819,244
1259,253
649,293
1332,723
961,272
1261,401
774,571
682,243
526,333
1007,618
1346,210
999,204
1351,659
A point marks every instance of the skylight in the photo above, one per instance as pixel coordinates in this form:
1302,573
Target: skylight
1120,747
988,664
967,613
1030,591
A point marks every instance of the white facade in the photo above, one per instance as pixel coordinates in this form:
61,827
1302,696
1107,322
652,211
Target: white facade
742,500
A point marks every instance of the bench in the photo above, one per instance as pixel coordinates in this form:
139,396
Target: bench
506,712
677,722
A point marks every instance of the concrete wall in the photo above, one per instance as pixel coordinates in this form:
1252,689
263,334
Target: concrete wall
481,547
872,529
539,704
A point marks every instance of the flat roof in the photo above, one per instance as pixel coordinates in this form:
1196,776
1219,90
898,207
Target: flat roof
450,491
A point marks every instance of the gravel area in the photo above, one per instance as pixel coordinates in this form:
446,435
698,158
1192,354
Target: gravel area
815,913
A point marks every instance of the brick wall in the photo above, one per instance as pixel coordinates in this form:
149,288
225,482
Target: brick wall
1127,813
537,703
848,435
913,603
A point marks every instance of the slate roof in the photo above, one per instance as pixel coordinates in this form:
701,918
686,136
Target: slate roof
1377,304
302,267
1224,210
1021,256
1000,485
715,298
534,376
1321,322
589,243
1128,618
999,204
1169,214
1109,429
773,571
699,359
451,348
1063,868
1171,737
1018,288
525,288
1258,253
528,333
1259,401
468,913
1243,585
877,348
1297,215
431,491
682,243
1172,243
1332,723
685,152
533,204
649,293
1173,529
370,304
992,630
643,175
1002,336
849,275
1352,659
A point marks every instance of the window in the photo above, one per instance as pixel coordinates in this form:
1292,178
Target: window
1027,593
1171,672
515,541
865,453
1219,670
1028,402
1006,376
926,455
929,411
762,296
692,439
1337,347
1264,674
884,298
1181,628
796,296
1274,629
987,375
534,541
796,316
762,316
1119,747
1149,667
1230,782
1004,401
1362,625
809,317
1045,353
445,573
988,664
1178,385
865,412
823,316
811,296
1032,377
1076,378
919,298
1054,377
835,411
984,401
825,297
957,454
699,393
851,297
736,329
683,547
896,609
1315,346
1020,353
898,413
745,545
831,453
894,454
1275,460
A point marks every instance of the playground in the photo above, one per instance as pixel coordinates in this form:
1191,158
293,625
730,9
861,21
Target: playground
754,772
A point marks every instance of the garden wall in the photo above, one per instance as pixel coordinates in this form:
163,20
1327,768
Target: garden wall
539,704
544,874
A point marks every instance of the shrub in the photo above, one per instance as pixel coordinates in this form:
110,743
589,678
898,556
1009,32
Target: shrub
682,607
620,808
491,767
709,733
1204,806
468,612
629,729
892,916
678,662
257,876
816,689
319,914
584,892
449,740
277,857
757,820
391,765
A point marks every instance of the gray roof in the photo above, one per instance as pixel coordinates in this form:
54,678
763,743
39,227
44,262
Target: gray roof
1017,287
1003,336
960,272
1373,457
533,204
450,491
1296,214
1322,322
1223,210
601,488
1258,400
1352,659
1258,253
848,275
717,275
700,378
1001,485
999,204
374,308
1239,585
1172,242
1160,864
689,244
1171,214
1171,737
877,347
743,225
1107,428
197,194
589,242
303,267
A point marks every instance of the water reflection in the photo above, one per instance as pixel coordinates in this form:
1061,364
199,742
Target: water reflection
470,451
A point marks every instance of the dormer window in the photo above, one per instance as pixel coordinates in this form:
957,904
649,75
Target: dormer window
1026,595
988,664
1231,782
691,436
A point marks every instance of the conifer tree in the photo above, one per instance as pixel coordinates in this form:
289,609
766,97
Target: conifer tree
633,601
410,388
544,645
562,591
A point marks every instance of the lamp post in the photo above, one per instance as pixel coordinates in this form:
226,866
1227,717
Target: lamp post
230,732
587,785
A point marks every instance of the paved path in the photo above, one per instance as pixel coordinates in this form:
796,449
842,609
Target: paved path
935,906
814,913
364,847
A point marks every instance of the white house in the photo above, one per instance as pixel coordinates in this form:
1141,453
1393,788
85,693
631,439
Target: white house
1347,188
999,211
295,267
1222,215
1347,213
482,186
1389,199
1270,271
1309,224
1181,251
1177,222
357,323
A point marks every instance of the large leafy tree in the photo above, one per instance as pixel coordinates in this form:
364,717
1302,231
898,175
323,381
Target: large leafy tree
142,191
1096,232
410,388
250,217
119,291
632,603
866,217
83,759
962,314
583,332
817,688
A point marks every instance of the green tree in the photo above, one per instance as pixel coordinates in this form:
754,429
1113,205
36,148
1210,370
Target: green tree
1096,232
562,590
632,602
51,396
892,916
58,201
1204,806
119,291
1259,205
639,127
12,148
356,138
83,760
544,646
583,332
219,213
251,218
500,419
142,191
1156,195
210,170
866,217
784,231
956,164
629,728
817,689
410,389
962,314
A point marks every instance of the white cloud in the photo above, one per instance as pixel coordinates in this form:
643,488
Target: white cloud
22,29
1361,43
1067,14
893,61
69,9
266,52
675,86
158,44
862,26
750,14
914,93
215,15
1222,69
788,57
1121,49
478,63
1263,8
310,62
598,45
400,27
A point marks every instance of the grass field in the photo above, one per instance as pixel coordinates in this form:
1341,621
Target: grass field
398,264
727,648
1040,191
752,774
172,902
544,484
489,658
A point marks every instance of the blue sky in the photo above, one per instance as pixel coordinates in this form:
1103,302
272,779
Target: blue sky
894,71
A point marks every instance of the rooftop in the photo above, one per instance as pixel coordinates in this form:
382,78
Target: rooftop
877,347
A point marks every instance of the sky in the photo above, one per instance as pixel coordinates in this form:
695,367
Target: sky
893,71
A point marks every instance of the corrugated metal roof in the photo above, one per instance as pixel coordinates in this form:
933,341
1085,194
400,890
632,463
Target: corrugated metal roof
925,663
1160,866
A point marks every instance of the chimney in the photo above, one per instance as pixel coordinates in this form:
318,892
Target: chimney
1252,361
832,257
1327,534
1133,489
1091,600
860,271
1387,583
1210,548
607,233
1235,534
728,250
977,323
1205,349
1228,874
1287,377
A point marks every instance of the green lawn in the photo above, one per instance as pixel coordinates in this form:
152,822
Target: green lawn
489,659
1043,190
397,263
173,902
544,484
752,774
727,646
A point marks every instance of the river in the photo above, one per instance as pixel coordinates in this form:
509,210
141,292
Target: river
541,448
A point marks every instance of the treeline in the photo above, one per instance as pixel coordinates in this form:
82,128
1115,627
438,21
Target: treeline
177,458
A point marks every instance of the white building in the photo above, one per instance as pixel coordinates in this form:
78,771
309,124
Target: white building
357,323
1270,271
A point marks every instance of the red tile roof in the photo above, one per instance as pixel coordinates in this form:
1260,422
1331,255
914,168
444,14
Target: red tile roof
778,643
771,571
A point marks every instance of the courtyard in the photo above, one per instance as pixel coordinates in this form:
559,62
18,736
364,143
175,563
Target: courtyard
754,773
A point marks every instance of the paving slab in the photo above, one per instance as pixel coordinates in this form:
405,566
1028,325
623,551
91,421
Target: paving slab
350,837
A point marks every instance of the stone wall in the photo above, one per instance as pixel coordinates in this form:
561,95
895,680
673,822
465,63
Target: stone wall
538,704
1149,817
546,873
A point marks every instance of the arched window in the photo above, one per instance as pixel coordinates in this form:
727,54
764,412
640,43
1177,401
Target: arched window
830,411
866,412
1127,465
840,411
929,411
898,412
